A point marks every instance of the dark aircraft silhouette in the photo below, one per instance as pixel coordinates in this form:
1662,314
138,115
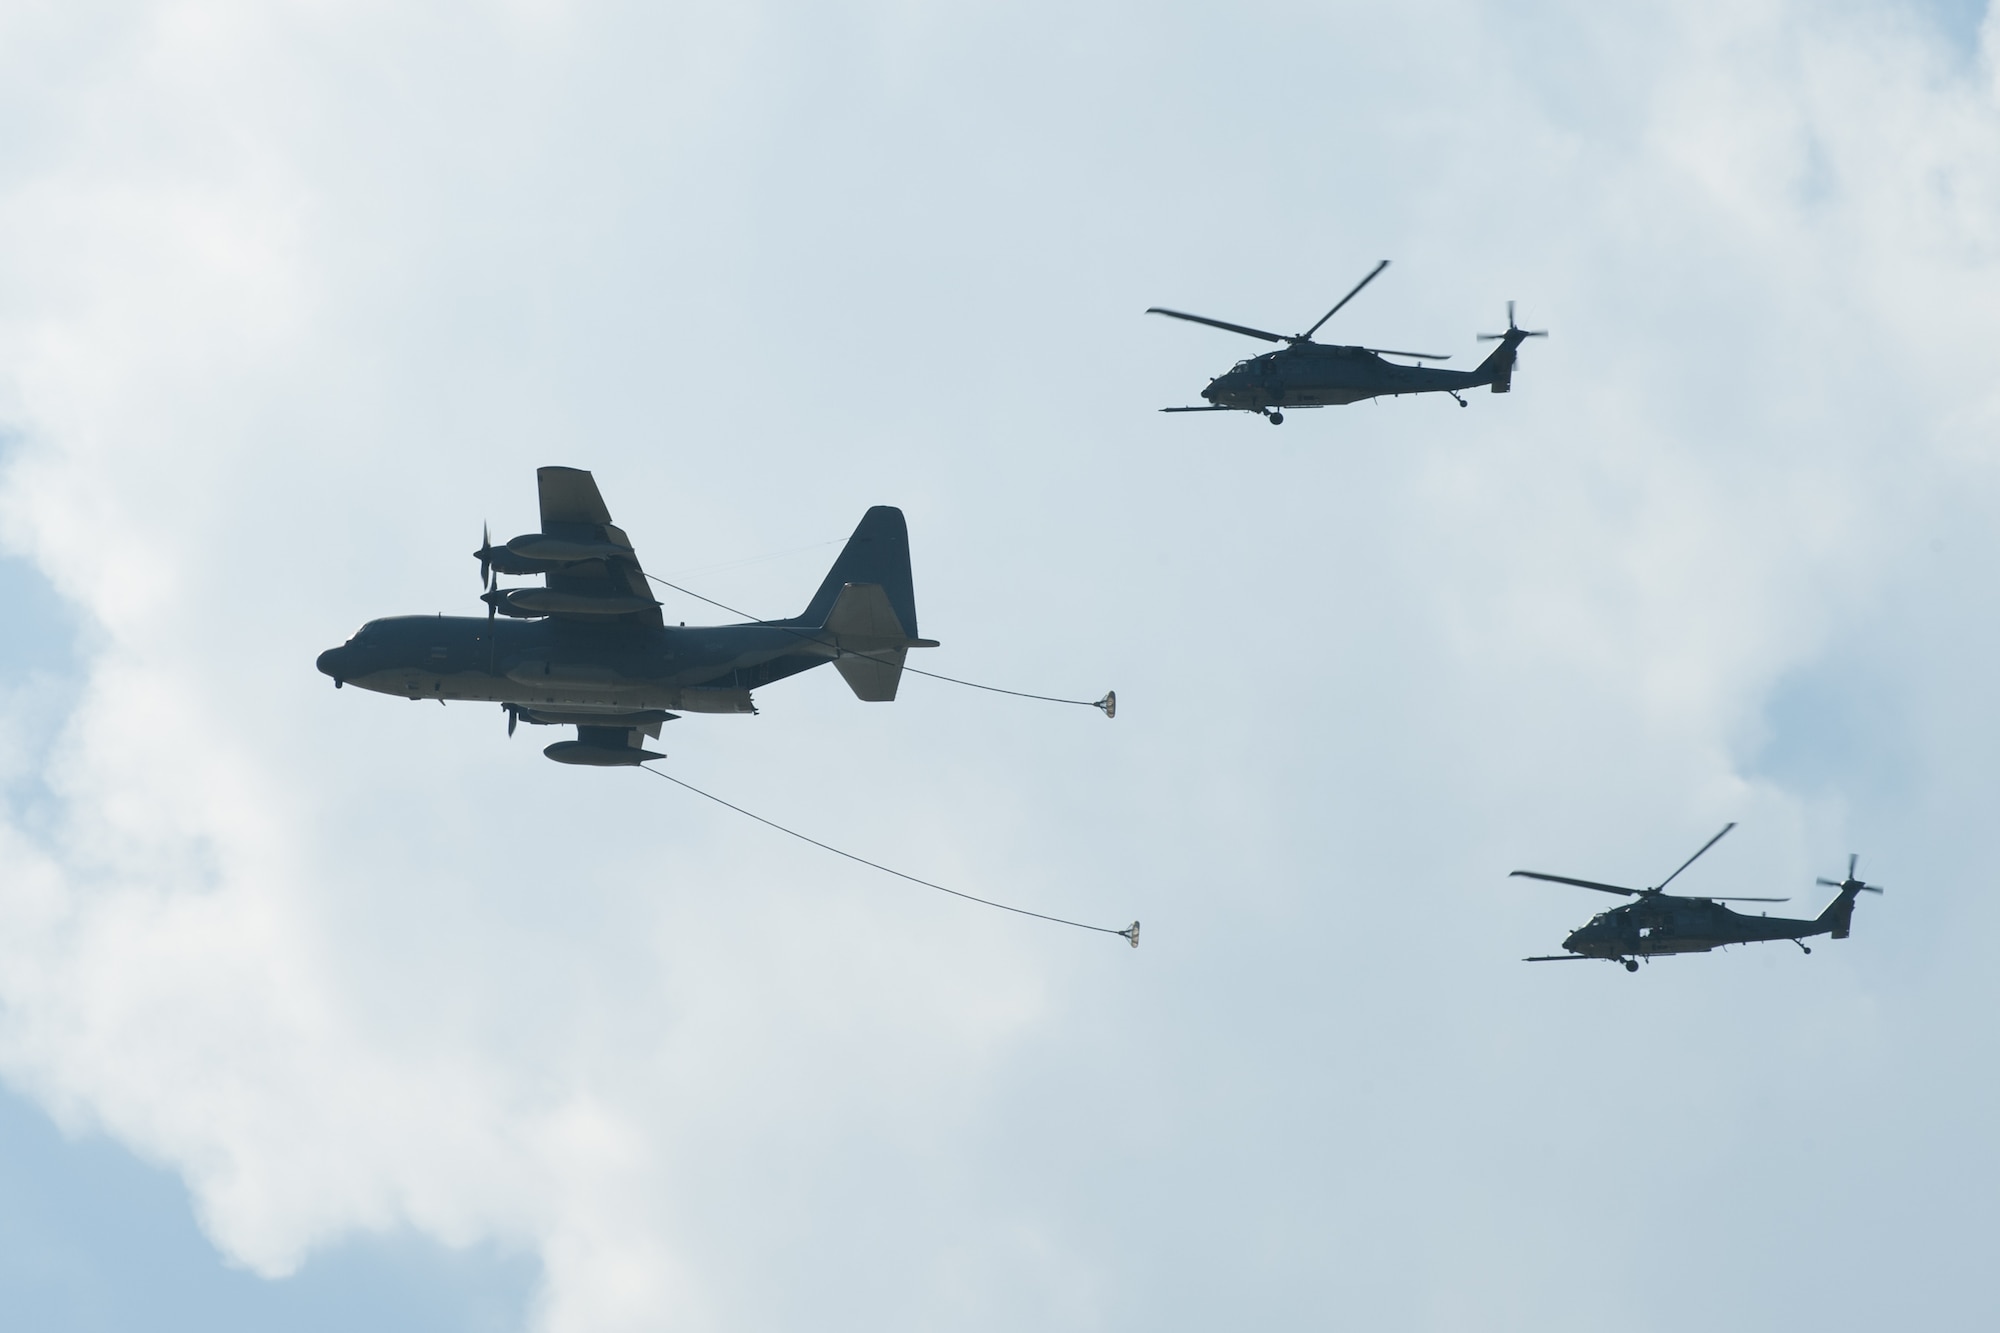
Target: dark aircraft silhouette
1309,374
1663,923
599,657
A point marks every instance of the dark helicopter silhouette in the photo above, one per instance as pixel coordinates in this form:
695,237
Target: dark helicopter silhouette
1662,923
1309,374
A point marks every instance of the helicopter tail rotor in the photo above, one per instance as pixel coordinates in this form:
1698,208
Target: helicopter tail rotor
1500,364
1850,882
1839,913
1514,331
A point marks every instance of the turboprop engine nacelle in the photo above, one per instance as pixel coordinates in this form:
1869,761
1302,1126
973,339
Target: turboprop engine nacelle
563,550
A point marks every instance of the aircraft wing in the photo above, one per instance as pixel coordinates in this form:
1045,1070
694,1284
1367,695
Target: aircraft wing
610,587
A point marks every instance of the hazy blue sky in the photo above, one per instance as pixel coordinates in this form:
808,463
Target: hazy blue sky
320,1011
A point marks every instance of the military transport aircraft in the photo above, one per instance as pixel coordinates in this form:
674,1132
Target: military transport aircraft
1309,374
1663,923
598,655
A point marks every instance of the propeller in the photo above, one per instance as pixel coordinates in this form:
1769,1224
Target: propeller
492,599
1512,327
1852,859
513,717
1305,337
487,574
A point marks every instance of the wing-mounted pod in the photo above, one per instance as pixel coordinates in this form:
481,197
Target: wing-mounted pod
603,740
602,747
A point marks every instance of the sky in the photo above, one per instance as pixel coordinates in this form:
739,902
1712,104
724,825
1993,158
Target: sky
319,1011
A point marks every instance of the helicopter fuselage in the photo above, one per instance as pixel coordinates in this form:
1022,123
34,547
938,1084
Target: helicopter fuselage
1666,924
1309,374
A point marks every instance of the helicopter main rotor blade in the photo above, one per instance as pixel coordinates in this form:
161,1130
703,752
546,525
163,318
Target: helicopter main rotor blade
1217,324
1559,958
1746,900
1421,356
1580,883
1307,335
1697,856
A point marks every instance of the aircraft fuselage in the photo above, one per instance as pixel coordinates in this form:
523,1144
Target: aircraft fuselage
570,665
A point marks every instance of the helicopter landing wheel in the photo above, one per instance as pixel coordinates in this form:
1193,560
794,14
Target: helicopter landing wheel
1277,418
1631,965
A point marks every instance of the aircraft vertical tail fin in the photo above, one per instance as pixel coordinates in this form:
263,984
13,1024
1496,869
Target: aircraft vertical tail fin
1839,914
878,552
868,605
1498,368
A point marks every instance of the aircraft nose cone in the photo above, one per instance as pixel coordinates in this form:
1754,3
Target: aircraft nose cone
331,661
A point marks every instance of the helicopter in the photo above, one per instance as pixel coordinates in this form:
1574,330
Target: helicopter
1658,922
1309,374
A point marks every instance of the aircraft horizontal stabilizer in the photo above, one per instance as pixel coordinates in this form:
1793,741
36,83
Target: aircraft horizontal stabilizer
870,641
